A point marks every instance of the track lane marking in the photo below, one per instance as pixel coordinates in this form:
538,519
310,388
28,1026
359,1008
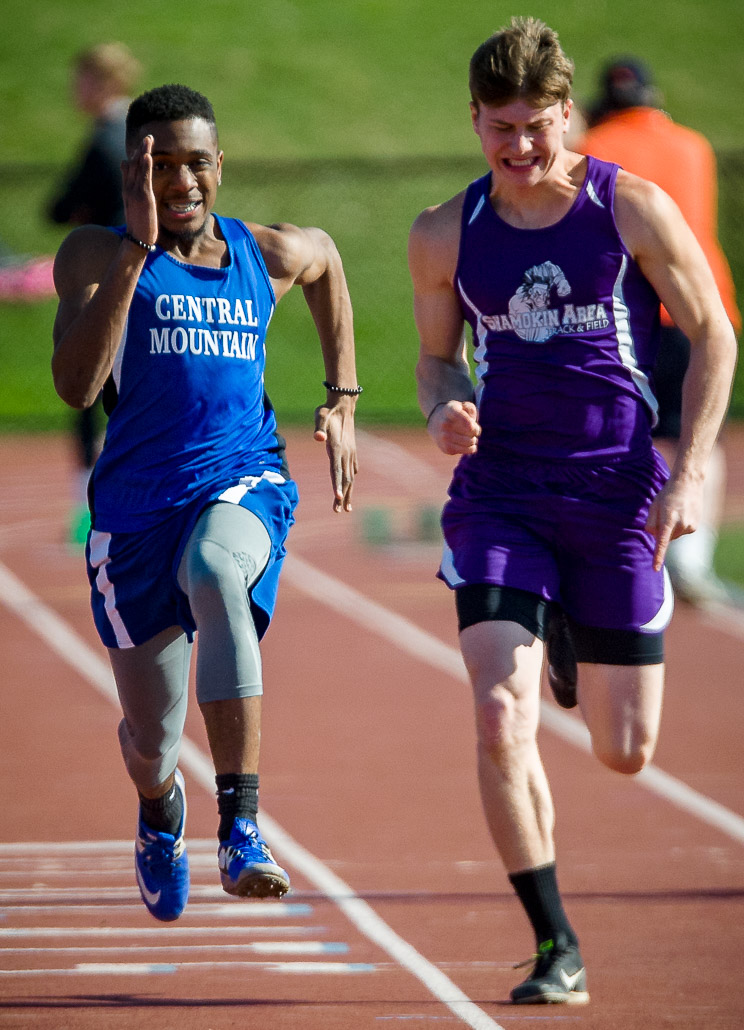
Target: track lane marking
145,933
261,948
148,968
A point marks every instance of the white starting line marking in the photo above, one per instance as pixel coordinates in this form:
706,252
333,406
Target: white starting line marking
196,912
143,932
258,947
68,849
148,968
9,899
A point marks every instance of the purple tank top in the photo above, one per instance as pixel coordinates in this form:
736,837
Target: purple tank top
565,329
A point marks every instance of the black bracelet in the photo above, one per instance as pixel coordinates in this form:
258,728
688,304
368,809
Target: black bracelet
348,391
140,243
437,405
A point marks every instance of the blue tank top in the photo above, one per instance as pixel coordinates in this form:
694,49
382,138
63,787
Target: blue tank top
565,329
189,411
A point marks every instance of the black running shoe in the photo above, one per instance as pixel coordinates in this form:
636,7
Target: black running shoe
562,670
557,979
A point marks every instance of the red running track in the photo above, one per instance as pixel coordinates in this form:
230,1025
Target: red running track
400,915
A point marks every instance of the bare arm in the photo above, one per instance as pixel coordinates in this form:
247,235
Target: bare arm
309,258
96,273
671,259
445,389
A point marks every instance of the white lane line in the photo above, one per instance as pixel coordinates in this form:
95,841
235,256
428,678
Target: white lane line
387,458
33,527
75,651
258,947
114,849
425,647
728,620
145,933
193,912
233,910
148,968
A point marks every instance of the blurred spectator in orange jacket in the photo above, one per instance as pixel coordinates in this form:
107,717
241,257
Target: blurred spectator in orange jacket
627,126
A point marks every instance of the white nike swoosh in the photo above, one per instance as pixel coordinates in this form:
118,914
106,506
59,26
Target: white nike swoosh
570,981
153,899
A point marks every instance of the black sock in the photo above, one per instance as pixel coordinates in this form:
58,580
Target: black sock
163,814
537,889
237,797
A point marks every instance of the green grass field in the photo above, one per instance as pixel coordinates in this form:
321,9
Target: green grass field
352,116
299,78
729,560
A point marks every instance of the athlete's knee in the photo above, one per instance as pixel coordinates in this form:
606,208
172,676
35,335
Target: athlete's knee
503,725
628,755
150,755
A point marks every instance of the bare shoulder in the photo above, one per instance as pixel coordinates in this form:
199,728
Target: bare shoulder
641,198
643,211
633,190
434,240
288,250
83,258
440,223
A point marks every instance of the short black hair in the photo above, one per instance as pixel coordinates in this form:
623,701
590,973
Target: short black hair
169,103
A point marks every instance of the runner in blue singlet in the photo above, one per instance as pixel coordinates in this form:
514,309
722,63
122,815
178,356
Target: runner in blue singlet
191,499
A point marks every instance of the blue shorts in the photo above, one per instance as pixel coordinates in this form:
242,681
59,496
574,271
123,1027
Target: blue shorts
567,532
133,576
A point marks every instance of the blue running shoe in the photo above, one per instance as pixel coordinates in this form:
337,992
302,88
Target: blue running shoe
247,867
162,867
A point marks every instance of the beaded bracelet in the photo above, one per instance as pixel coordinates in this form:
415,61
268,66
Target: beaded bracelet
348,391
140,243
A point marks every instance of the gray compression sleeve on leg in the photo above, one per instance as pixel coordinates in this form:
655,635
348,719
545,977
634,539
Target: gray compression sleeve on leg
226,553
152,680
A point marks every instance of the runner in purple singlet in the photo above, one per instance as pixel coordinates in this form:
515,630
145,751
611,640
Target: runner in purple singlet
559,508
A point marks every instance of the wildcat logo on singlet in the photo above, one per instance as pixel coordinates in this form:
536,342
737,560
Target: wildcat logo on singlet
531,316
218,311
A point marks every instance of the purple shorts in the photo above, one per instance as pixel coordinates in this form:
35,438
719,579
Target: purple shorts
569,532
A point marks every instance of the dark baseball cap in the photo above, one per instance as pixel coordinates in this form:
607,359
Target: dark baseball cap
626,82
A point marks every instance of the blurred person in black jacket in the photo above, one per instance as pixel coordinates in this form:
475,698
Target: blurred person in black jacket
103,78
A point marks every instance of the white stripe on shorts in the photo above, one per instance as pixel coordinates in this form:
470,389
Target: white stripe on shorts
99,559
235,494
663,617
451,576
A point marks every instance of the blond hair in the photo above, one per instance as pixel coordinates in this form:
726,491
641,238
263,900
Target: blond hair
523,60
112,63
